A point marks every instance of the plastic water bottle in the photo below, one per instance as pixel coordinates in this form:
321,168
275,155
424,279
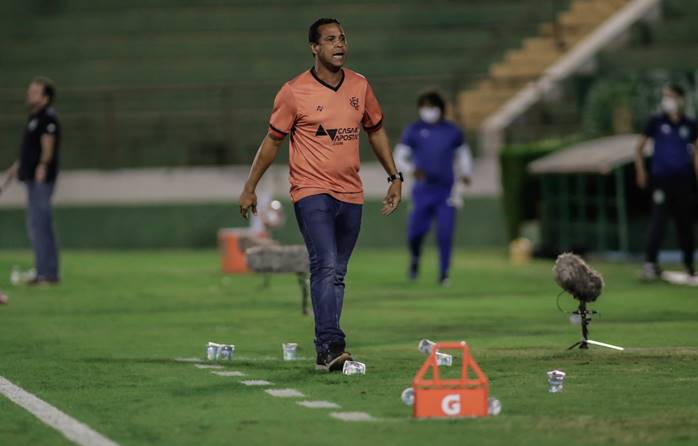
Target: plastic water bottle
556,380
354,368
444,359
408,396
289,350
425,346
15,276
494,407
226,352
212,351
27,276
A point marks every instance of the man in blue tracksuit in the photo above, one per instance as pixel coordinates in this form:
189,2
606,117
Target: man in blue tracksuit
672,178
434,151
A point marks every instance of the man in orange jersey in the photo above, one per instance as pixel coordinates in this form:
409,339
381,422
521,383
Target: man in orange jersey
323,110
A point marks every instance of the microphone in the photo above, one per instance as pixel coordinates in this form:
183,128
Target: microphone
577,278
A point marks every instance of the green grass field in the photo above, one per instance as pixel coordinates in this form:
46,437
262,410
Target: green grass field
101,348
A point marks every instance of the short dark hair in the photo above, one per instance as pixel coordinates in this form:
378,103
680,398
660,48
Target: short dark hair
314,31
432,97
48,85
677,89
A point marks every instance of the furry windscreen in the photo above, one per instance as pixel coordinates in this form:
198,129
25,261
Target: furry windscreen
577,278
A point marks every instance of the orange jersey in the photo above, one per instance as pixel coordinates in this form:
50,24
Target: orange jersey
324,124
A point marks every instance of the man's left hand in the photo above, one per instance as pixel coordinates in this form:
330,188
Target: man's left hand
40,173
392,200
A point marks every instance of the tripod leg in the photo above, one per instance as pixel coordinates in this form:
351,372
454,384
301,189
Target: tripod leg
266,281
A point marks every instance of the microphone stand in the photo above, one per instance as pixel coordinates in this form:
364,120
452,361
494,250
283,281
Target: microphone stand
585,317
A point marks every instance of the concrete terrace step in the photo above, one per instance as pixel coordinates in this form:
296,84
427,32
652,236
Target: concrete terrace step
533,58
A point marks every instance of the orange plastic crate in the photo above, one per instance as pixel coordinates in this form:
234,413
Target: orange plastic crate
233,259
450,398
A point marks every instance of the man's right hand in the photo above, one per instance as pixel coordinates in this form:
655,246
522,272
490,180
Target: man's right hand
248,200
641,178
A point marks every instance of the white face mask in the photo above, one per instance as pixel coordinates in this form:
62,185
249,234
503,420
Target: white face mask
670,105
430,115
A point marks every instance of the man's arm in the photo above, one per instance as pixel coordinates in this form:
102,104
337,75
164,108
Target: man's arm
48,144
403,158
640,170
381,147
464,163
265,156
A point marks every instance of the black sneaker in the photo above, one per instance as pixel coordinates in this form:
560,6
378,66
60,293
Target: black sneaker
443,281
332,362
333,359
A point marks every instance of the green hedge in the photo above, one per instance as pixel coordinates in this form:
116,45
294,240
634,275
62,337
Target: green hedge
520,191
480,223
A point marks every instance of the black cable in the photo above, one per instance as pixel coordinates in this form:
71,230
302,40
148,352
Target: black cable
558,302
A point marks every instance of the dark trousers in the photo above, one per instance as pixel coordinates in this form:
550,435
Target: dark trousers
675,198
430,203
40,229
330,229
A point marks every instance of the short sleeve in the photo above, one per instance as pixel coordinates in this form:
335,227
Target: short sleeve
650,127
283,115
373,115
49,126
407,138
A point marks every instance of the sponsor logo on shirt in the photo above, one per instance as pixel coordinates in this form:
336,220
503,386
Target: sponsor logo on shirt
684,132
32,124
666,129
339,136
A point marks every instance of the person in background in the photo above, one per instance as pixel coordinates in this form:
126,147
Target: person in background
671,178
37,168
434,151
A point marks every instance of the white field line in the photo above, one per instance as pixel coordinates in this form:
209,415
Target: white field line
318,404
269,358
208,366
285,393
228,373
189,360
71,428
352,416
256,382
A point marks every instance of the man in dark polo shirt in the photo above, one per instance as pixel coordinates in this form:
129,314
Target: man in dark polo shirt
672,178
37,167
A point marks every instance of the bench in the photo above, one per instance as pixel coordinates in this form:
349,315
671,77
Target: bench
270,258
